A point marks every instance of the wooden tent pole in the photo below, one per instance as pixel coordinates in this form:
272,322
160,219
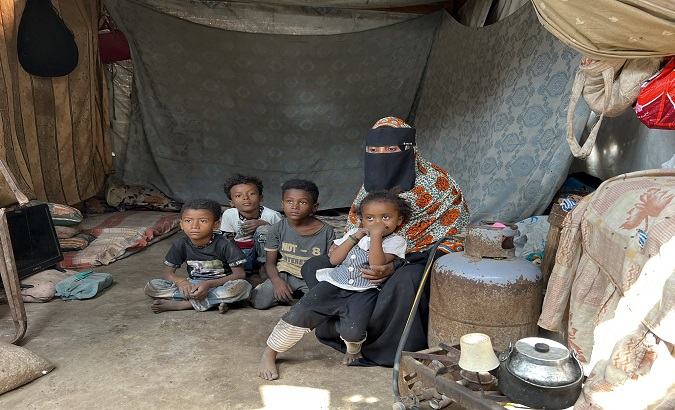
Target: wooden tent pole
11,181
8,272
10,281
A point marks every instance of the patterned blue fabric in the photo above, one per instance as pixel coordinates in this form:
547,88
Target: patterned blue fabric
209,102
492,112
642,238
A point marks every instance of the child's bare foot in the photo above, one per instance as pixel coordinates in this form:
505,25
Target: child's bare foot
348,358
223,307
159,306
268,367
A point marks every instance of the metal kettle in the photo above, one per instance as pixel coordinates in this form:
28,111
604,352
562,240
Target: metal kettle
540,373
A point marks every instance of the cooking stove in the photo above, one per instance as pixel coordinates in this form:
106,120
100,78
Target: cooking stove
437,370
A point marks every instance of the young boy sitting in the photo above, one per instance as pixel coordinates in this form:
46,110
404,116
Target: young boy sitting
295,239
248,221
214,264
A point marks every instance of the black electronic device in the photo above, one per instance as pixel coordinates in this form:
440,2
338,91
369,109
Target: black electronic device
34,241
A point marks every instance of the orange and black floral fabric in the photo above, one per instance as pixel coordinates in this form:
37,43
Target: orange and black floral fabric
439,209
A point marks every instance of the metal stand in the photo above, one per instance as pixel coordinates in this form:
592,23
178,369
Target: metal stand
437,368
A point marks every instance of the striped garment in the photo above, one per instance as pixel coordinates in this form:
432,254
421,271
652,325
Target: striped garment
284,336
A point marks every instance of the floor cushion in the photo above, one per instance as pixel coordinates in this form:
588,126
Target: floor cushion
120,234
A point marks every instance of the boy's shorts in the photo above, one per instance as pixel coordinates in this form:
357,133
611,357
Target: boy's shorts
256,256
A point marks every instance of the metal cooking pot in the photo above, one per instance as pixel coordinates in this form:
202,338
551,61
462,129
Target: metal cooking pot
540,373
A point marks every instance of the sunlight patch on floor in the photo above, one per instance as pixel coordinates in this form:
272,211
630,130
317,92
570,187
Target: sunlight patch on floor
358,398
285,397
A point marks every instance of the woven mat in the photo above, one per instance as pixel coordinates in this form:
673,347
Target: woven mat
335,217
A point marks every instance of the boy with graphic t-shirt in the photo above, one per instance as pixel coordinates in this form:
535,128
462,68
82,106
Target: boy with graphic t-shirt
295,239
248,221
214,263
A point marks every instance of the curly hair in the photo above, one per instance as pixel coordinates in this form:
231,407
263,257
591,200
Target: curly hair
390,197
304,185
238,179
205,204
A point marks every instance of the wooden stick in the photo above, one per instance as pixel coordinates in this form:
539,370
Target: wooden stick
10,280
11,181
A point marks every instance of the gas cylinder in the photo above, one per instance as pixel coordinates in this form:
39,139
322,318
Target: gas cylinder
485,289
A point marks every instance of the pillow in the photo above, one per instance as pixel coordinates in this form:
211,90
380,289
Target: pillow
65,232
76,243
133,196
20,366
62,215
43,285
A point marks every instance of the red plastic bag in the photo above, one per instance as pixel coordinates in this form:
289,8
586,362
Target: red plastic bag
655,105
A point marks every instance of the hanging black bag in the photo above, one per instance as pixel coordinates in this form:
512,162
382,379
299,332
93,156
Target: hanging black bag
45,45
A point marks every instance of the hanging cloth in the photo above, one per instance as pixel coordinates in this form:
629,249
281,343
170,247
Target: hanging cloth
609,87
606,29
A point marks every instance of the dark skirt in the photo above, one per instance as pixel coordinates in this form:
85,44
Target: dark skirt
390,315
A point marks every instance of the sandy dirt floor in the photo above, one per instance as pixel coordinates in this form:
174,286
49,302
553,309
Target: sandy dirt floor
113,352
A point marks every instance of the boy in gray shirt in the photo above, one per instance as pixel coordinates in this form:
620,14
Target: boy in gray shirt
291,242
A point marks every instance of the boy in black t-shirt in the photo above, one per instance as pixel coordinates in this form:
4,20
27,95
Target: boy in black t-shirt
215,265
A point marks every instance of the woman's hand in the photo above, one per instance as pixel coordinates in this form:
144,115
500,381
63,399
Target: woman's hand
378,273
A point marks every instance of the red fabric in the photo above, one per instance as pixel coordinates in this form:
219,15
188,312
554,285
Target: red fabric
113,46
655,105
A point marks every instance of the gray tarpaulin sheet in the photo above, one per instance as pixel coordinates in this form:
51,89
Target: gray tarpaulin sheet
209,102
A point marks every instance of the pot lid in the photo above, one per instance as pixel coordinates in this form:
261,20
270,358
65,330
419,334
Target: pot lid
542,351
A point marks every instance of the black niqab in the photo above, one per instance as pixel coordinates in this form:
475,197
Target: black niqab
389,170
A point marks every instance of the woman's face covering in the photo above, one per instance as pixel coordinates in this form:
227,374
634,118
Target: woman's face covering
388,149
389,167
396,169
383,150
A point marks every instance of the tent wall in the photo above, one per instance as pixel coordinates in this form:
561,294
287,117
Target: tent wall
497,124
491,109
209,102
54,137
625,145
222,87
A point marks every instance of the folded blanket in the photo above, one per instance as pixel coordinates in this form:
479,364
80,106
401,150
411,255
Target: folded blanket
76,243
